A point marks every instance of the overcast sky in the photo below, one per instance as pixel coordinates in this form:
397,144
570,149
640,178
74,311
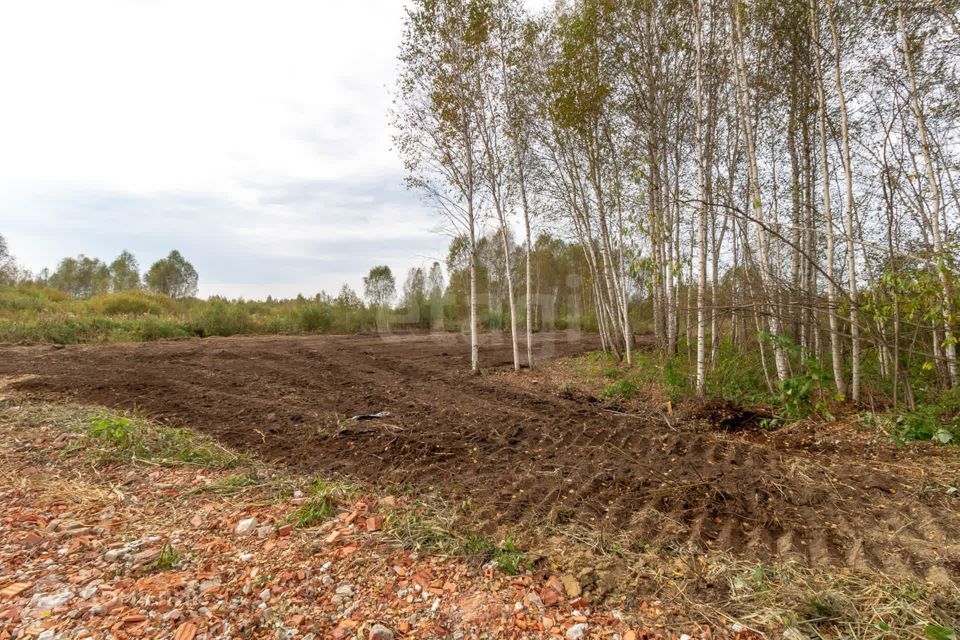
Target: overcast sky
251,136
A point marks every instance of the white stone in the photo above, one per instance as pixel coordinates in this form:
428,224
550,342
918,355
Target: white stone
380,632
246,527
52,601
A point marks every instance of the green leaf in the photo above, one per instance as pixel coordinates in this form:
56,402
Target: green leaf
942,436
936,632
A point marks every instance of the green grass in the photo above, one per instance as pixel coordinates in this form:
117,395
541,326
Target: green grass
321,504
168,558
316,509
232,484
507,557
621,389
435,527
612,372
130,439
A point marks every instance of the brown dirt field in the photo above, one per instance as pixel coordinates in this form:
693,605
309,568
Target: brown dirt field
520,451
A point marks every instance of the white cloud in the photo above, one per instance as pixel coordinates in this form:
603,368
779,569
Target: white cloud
153,124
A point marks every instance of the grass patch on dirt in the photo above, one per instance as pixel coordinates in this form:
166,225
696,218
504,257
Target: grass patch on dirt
233,484
432,525
110,436
168,559
621,389
429,526
124,438
325,496
315,510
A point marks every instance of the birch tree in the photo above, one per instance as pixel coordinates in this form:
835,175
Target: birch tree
435,120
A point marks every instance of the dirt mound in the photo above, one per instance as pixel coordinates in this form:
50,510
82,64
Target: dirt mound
717,414
518,455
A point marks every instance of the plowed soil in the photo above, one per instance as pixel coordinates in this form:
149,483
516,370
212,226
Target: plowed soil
519,450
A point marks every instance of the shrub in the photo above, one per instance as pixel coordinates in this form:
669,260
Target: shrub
737,376
937,420
132,303
676,379
65,329
30,298
218,317
315,318
151,328
114,430
622,389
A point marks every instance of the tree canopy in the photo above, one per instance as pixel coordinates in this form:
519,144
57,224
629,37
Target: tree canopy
172,276
379,286
124,272
81,277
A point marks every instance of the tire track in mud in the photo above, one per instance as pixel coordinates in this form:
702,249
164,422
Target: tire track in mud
516,455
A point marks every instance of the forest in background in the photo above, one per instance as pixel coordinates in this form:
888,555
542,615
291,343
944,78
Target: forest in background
779,177
769,188
89,300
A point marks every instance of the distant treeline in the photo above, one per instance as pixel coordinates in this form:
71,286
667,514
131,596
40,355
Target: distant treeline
85,277
88,300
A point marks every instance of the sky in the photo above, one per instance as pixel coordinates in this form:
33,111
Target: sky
253,137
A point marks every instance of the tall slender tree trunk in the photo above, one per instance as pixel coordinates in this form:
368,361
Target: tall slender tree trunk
835,348
529,269
513,305
766,274
848,213
472,224
949,340
702,162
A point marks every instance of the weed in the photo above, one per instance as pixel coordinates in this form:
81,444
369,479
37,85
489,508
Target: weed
132,439
622,389
938,421
321,505
795,396
477,546
168,558
509,558
936,632
314,510
234,483
114,430
506,556
817,610
676,379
